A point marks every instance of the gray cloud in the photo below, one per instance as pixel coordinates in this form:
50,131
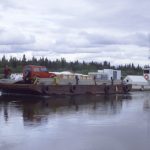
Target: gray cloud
7,4
139,39
15,37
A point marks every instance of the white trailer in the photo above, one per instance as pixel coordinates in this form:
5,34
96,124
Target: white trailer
111,74
107,74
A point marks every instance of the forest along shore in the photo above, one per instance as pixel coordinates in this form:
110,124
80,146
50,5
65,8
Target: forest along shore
16,65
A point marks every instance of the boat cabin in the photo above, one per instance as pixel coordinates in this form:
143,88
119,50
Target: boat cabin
146,73
32,71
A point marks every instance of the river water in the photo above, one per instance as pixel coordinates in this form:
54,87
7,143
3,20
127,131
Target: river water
117,122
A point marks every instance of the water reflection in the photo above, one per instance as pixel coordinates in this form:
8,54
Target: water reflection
116,122
35,110
146,105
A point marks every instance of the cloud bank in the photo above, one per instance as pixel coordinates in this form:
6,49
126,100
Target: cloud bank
113,30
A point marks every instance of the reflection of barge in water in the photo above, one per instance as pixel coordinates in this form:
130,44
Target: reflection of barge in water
36,109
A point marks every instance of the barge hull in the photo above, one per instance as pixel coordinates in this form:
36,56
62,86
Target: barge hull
64,89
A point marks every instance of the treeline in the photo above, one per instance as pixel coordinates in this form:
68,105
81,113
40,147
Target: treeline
62,65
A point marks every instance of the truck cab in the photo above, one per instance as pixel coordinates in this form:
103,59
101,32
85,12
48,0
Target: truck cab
32,71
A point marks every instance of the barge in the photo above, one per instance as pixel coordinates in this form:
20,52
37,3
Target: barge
38,81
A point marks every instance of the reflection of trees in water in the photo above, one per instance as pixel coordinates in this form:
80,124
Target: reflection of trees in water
36,109
146,108
146,105
4,109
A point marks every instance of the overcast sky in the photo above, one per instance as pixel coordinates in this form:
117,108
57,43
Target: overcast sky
114,30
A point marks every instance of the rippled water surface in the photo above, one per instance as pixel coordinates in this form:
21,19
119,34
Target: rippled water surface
117,122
